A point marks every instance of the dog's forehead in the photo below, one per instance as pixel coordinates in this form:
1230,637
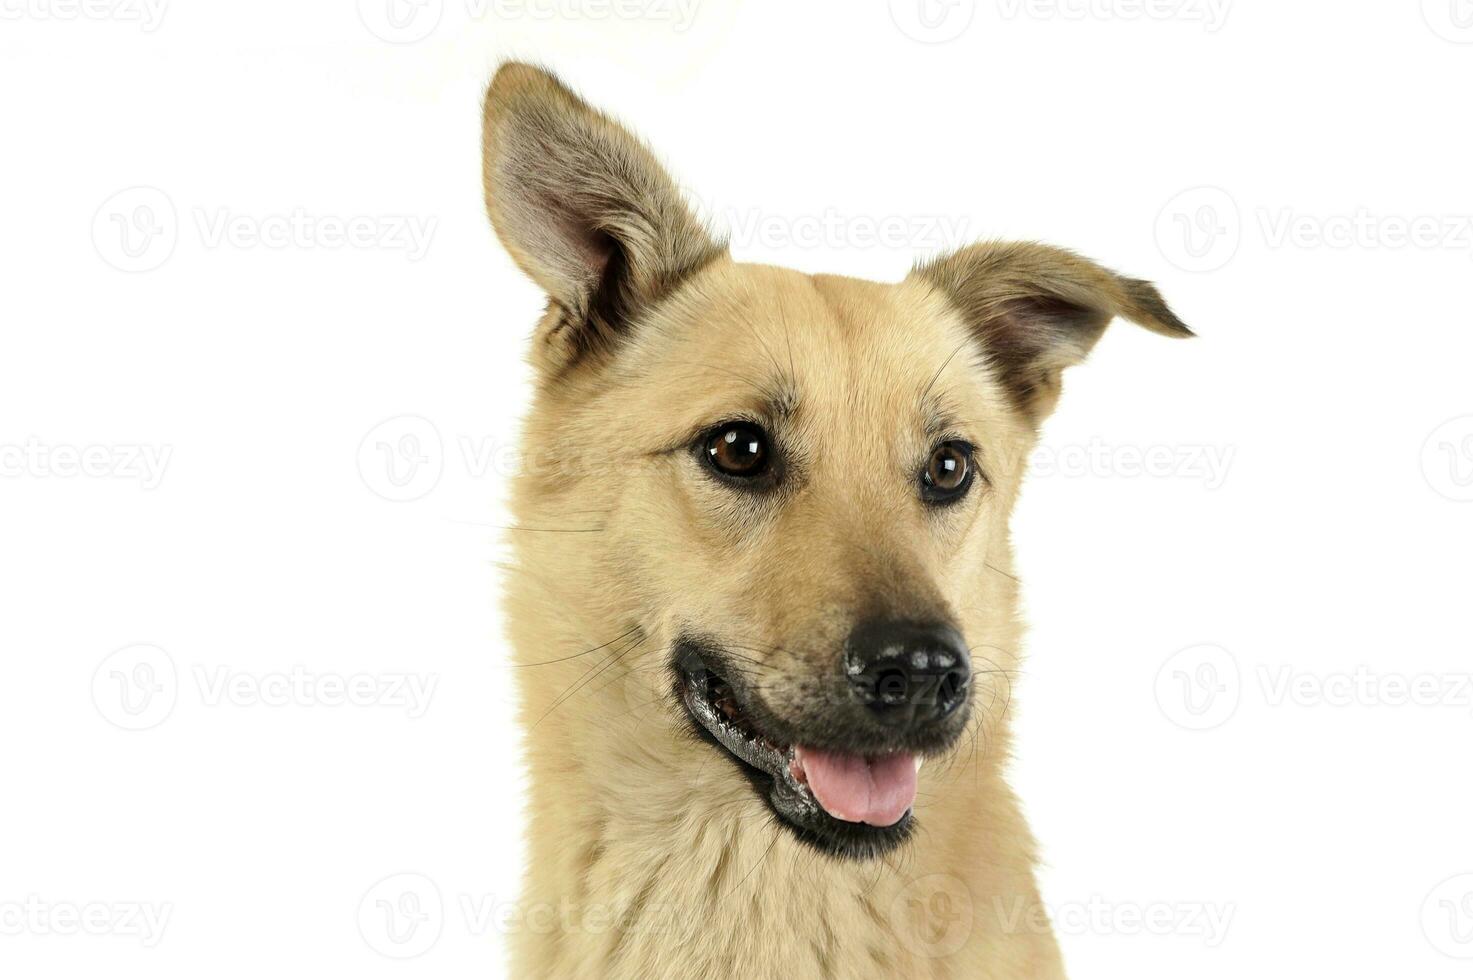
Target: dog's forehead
842,347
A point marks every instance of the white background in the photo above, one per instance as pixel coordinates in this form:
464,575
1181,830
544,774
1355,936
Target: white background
1224,151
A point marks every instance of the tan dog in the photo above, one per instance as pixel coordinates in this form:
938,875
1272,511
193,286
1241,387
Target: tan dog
762,574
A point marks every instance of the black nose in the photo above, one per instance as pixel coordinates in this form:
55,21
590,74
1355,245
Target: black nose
908,673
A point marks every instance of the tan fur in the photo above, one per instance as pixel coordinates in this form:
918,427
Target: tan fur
650,855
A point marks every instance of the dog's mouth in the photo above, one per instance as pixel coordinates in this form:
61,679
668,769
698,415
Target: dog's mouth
847,804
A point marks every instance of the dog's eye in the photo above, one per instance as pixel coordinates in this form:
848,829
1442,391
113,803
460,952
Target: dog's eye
738,449
948,472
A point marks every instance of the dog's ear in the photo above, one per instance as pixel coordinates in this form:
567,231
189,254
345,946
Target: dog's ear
1038,310
585,210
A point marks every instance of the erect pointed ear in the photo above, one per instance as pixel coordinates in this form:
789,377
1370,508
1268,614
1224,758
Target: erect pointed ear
1038,310
585,210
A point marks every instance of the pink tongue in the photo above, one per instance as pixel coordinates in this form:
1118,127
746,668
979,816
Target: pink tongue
876,792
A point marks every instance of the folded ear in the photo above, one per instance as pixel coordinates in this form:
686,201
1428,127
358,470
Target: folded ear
585,210
1038,310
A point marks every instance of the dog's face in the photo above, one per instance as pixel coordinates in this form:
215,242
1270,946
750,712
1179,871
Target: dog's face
800,484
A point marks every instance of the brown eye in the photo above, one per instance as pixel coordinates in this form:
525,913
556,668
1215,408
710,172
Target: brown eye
738,449
948,472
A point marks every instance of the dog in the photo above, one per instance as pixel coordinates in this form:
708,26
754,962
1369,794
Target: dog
761,596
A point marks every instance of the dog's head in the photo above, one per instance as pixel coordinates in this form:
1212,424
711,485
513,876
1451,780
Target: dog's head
793,490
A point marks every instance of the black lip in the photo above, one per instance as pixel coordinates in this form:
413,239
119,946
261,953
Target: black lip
699,668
